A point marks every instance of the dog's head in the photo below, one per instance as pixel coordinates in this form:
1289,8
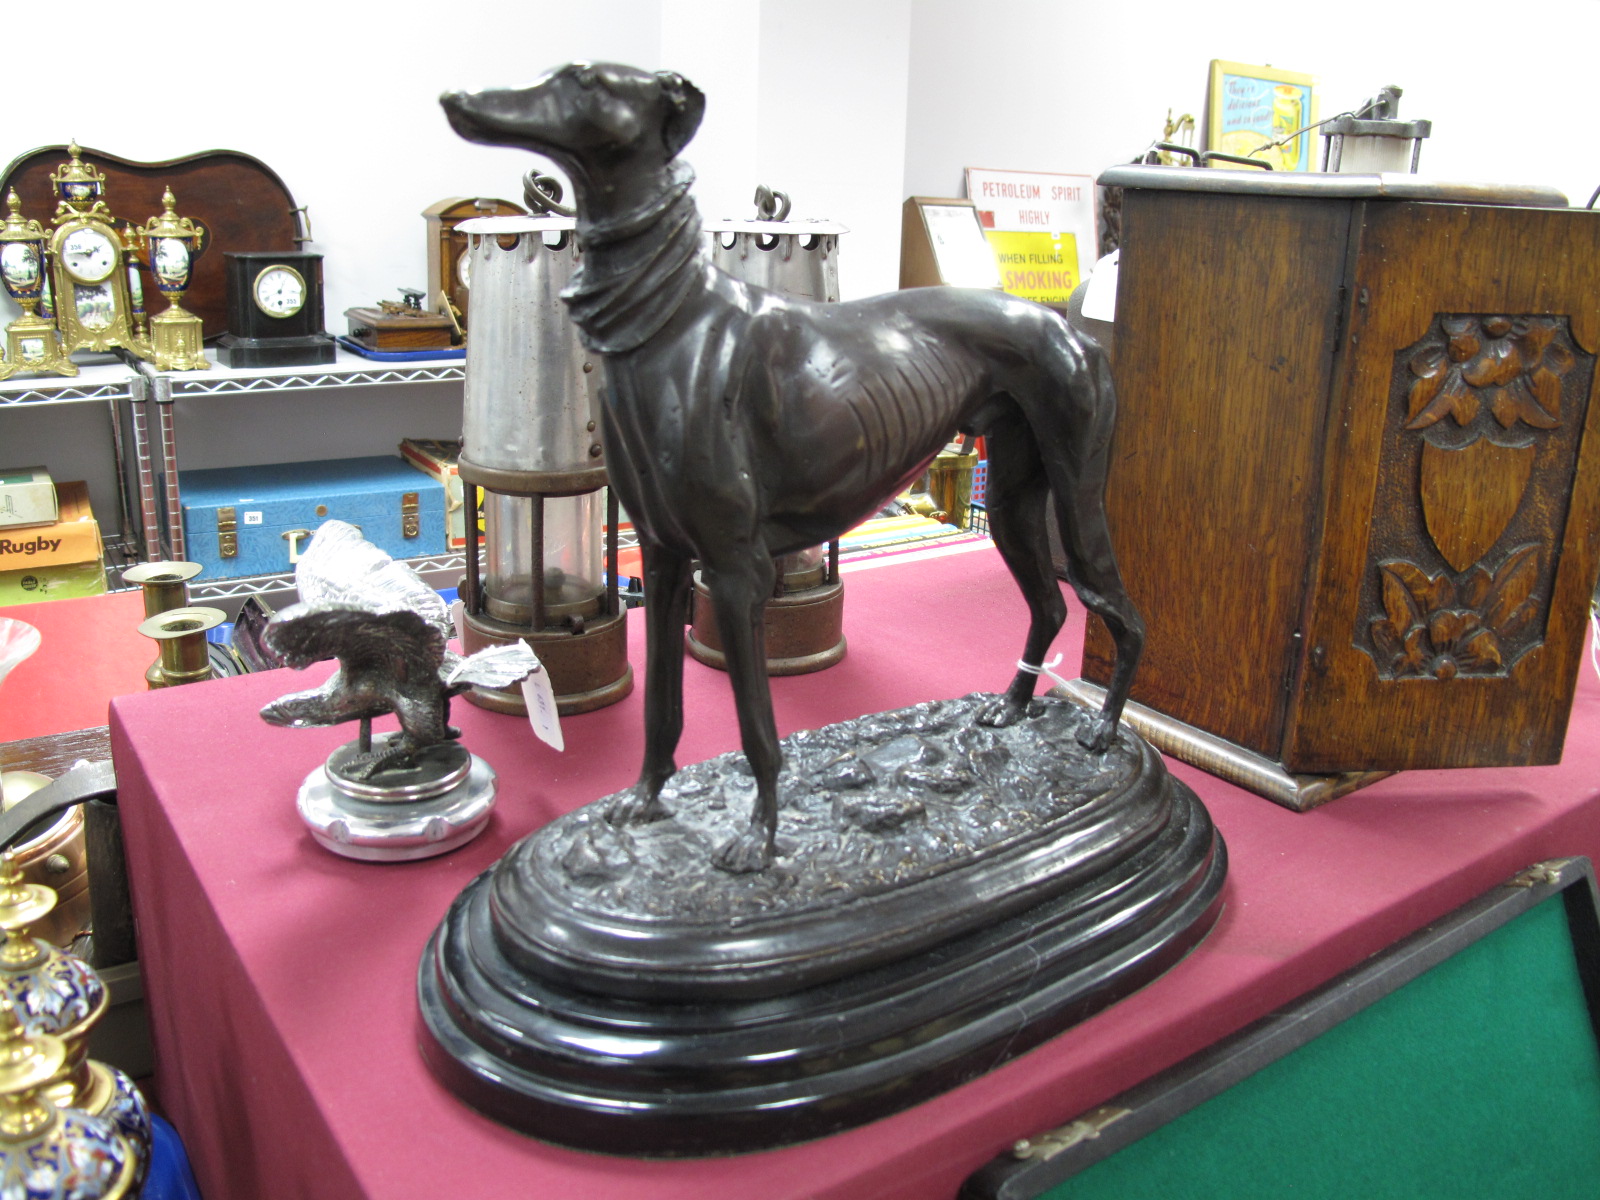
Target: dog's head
585,113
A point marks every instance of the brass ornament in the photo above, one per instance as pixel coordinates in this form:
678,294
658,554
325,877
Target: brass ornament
80,188
166,587
181,633
32,342
46,993
172,243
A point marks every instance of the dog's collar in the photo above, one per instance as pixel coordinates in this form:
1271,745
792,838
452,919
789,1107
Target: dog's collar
637,269
595,234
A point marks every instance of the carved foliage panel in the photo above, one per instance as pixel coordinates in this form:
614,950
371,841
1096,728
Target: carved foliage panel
1481,440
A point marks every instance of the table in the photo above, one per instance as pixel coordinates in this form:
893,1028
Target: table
90,650
281,979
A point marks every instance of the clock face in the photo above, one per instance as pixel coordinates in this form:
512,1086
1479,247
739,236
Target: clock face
464,269
88,255
20,262
170,259
280,291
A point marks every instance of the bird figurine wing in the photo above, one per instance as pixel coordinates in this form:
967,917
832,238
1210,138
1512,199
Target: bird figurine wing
495,667
379,654
340,567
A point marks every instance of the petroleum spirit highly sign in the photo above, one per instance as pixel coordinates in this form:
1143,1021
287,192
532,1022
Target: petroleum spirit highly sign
1040,227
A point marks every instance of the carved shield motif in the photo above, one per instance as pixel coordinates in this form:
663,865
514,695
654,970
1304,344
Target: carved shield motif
1486,412
1470,495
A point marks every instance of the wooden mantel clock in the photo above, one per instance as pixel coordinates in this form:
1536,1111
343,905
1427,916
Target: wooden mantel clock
449,275
1356,477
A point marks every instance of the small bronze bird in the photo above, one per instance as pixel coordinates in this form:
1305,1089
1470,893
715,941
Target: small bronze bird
389,630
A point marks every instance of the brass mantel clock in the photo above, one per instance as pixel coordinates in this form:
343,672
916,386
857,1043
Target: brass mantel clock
89,272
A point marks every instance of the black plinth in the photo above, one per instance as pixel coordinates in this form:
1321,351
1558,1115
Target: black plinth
316,349
949,896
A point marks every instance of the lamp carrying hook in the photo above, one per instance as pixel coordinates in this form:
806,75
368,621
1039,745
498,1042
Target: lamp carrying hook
542,194
771,205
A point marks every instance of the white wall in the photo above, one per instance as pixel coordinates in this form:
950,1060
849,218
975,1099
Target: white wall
834,79
849,105
1069,85
340,98
343,105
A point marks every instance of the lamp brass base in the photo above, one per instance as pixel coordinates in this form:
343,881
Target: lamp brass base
805,630
588,670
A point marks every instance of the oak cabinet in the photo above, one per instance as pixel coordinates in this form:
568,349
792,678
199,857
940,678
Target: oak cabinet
1352,491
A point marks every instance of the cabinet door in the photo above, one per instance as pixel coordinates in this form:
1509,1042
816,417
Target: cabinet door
1463,504
1227,310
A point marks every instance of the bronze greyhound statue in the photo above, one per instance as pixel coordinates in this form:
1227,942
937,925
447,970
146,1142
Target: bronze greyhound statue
740,425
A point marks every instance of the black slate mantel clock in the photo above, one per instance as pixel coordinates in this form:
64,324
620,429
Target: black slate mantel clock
274,310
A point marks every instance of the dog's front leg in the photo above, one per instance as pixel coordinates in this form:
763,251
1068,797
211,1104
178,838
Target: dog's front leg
739,589
666,612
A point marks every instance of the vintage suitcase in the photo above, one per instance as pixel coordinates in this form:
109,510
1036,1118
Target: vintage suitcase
440,460
257,520
1356,475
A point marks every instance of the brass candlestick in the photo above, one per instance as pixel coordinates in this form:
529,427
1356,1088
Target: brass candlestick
166,587
185,657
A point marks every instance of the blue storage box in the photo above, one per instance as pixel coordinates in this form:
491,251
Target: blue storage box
257,520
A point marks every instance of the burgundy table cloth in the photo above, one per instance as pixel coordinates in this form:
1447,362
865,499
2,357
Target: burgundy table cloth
280,979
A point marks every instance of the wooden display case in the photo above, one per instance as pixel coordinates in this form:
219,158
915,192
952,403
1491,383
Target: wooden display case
1351,488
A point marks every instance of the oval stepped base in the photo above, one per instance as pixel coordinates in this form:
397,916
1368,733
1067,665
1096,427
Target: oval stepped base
567,997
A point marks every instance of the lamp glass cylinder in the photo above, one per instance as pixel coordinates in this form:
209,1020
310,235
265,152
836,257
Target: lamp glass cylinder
572,563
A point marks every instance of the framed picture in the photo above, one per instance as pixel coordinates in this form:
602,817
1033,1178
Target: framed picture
1249,107
941,242
1463,1060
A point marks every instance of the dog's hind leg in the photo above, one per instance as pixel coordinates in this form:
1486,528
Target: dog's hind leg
740,586
1016,497
1078,481
1092,571
667,577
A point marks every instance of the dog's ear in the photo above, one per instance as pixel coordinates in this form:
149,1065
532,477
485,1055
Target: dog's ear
688,105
